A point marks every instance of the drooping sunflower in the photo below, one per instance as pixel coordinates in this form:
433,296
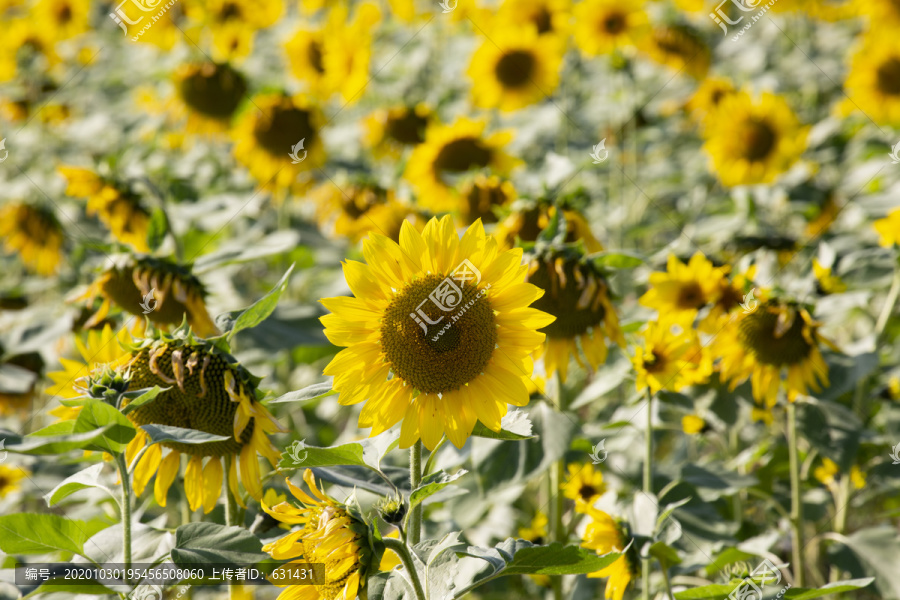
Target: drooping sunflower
777,337
482,195
331,535
63,18
584,485
447,319
355,210
684,289
548,17
389,131
888,229
577,294
679,47
114,202
451,151
605,26
528,223
10,479
603,535
873,84
264,139
514,68
751,142
671,358
209,94
34,233
170,290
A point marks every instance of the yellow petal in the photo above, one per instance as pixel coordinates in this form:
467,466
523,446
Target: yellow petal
193,482
212,483
168,469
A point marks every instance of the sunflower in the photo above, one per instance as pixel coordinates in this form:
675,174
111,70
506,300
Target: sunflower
114,202
331,535
605,26
10,478
832,10
266,136
25,42
527,224
536,531
577,294
305,52
447,319
34,233
692,424
888,229
826,281
548,17
671,358
826,472
679,47
584,485
209,93
389,131
354,211
708,98
873,84
515,68
753,142
684,289
450,151
232,23
760,345
482,196
883,15
64,19
135,282
604,535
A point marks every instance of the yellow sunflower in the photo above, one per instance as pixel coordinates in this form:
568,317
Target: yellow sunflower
777,337
882,14
708,98
826,472
353,211
305,57
751,142
515,68
873,84
267,133
604,26
10,479
584,485
692,424
34,233
888,229
826,281
447,319
450,151
482,196
684,289
170,290
389,131
64,19
526,225
232,23
113,202
679,47
330,535
577,294
603,535
536,531
548,17
25,42
832,10
671,358
209,94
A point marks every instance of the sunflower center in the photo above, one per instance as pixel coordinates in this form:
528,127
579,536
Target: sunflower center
576,300
461,155
759,140
278,130
691,296
730,298
213,90
202,404
64,13
514,69
614,23
481,199
433,349
655,363
314,56
407,128
757,333
587,491
543,20
230,10
360,200
889,77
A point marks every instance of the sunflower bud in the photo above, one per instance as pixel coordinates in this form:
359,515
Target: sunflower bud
392,510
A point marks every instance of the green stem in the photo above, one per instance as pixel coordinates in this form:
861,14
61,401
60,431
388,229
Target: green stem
796,503
231,508
126,507
557,500
889,303
842,507
665,573
400,549
648,487
415,480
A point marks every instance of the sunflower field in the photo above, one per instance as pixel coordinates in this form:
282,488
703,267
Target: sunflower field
445,299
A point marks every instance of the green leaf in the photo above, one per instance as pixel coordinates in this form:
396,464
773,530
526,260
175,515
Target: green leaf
77,482
364,453
617,260
878,548
157,229
95,414
33,533
665,554
206,543
170,433
317,390
433,484
514,426
57,438
557,559
716,590
260,309
142,400
837,587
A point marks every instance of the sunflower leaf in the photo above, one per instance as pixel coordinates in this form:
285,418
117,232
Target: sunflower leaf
33,533
257,312
95,414
57,438
198,544
146,397
157,229
433,484
170,433
514,426
616,260
364,453
312,392
87,478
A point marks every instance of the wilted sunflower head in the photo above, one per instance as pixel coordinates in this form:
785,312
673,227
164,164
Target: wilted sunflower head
331,534
211,92
34,232
165,291
679,47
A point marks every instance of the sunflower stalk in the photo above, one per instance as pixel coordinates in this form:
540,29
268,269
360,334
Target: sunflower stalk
400,549
415,480
125,504
648,488
796,503
231,508
557,499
